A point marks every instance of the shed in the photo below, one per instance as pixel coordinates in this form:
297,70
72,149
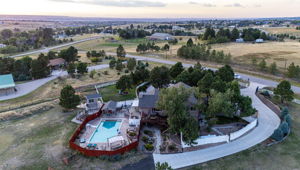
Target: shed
161,36
7,84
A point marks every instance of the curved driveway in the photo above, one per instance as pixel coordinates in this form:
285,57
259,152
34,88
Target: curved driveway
268,121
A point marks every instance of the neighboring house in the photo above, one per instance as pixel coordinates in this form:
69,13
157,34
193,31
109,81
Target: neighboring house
161,36
110,107
177,28
148,100
2,45
259,40
57,63
7,84
239,40
93,102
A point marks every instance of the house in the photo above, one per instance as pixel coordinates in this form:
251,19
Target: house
161,36
259,40
7,84
148,100
57,63
239,40
177,28
2,45
93,102
110,107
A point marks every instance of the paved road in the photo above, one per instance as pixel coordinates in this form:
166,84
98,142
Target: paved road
243,76
268,121
28,87
45,50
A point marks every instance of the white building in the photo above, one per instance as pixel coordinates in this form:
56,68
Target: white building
177,28
239,40
2,45
259,40
161,36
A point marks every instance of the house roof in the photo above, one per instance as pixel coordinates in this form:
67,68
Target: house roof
149,101
111,105
6,81
93,96
56,62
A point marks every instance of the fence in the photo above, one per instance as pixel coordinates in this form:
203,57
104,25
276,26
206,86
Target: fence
204,140
89,152
243,131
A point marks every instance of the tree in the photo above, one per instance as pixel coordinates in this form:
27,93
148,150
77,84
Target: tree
284,127
121,51
288,119
119,65
293,71
190,43
82,68
220,104
235,34
39,67
112,63
284,112
131,64
226,73
273,68
125,82
245,104
176,69
68,98
204,85
140,75
262,65
160,77
284,90
277,135
163,166
71,68
70,54
166,47
173,101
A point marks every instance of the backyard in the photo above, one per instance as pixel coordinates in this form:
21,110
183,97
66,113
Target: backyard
111,93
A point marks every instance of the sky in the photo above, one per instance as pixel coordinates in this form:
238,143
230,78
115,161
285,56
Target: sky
154,8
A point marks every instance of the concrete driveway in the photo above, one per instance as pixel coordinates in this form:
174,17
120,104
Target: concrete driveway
268,121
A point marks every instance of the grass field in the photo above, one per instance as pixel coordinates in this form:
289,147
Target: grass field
41,141
278,52
282,30
111,93
285,155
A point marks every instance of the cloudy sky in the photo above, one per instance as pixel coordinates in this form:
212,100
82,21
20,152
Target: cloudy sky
154,8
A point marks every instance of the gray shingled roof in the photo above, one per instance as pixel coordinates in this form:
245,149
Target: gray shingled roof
149,101
93,96
111,105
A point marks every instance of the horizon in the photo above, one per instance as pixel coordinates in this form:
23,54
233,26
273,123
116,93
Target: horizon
213,9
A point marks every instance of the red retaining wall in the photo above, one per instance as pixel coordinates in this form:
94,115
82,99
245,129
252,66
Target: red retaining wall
89,152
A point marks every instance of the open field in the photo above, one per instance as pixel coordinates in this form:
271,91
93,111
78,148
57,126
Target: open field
282,30
270,51
41,141
285,155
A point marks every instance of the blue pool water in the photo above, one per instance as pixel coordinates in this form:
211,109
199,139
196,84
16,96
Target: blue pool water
105,130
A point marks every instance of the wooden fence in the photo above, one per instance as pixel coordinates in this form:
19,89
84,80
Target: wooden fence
89,152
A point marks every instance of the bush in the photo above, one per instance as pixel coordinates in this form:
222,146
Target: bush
288,119
149,147
145,139
126,71
172,147
277,135
132,134
284,127
148,132
284,112
265,93
96,59
105,72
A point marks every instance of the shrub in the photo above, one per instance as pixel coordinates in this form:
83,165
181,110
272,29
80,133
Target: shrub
95,59
277,135
132,134
149,147
145,139
126,71
105,72
172,147
284,112
148,132
265,93
284,127
288,119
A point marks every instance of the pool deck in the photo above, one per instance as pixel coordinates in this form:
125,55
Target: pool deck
122,115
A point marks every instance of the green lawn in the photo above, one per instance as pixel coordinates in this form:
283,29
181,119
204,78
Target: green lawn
111,93
285,155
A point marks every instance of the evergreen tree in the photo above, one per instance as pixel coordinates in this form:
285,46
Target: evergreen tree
121,51
284,91
68,98
176,69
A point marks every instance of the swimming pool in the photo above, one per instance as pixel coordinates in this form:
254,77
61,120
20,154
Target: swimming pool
106,129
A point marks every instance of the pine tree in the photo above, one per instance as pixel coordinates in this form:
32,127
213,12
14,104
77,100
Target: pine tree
68,98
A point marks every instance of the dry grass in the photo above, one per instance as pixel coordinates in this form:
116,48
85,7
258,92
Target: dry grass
283,30
270,51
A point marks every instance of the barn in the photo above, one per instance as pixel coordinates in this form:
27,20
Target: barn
7,84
